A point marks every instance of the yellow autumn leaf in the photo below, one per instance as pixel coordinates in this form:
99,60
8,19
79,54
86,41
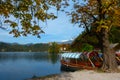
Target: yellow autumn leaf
104,26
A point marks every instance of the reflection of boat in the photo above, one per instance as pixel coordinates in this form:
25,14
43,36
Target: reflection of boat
75,61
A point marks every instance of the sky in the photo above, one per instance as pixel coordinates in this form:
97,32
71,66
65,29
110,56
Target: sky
58,30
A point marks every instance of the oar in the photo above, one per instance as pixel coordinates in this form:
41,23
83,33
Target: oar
118,58
101,58
91,62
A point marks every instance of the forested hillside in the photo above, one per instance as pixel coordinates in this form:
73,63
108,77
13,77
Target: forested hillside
40,47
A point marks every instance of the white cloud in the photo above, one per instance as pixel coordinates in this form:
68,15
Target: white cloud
66,40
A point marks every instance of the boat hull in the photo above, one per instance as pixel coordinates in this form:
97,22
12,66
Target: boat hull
68,68
73,66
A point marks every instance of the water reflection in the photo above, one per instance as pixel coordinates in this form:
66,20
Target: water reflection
53,57
23,65
37,56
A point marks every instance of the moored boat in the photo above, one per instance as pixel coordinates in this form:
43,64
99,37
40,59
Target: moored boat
81,60
85,60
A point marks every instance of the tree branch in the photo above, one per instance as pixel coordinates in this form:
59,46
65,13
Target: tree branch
91,15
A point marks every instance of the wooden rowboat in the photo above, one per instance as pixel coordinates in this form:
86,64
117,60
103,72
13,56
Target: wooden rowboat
86,60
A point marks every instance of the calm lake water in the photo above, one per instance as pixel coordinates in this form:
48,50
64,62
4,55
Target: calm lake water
24,65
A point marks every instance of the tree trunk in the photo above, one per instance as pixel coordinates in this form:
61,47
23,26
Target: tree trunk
109,58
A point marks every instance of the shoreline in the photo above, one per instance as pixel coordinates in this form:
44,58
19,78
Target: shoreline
81,75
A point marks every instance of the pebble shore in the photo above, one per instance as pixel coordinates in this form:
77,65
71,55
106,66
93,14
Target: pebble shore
82,75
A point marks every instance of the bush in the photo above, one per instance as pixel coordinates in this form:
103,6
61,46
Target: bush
87,47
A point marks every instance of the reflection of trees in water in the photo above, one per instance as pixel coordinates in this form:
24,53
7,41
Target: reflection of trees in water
37,56
53,57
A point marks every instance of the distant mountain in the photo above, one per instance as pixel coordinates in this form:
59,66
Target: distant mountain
66,42
38,47
9,43
29,44
13,43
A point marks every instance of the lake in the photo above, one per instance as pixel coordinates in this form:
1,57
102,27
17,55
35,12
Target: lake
24,65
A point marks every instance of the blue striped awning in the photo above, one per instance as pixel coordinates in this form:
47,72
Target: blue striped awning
71,55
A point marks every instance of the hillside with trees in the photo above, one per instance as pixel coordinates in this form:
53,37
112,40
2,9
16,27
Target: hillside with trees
92,39
9,47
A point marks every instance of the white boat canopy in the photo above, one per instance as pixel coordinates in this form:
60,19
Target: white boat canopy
71,55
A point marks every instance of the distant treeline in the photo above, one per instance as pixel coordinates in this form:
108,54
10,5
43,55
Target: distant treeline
9,47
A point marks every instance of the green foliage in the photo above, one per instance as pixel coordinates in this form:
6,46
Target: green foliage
85,38
91,38
115,35
87,47
53,48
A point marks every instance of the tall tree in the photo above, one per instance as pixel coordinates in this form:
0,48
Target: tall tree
100,16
